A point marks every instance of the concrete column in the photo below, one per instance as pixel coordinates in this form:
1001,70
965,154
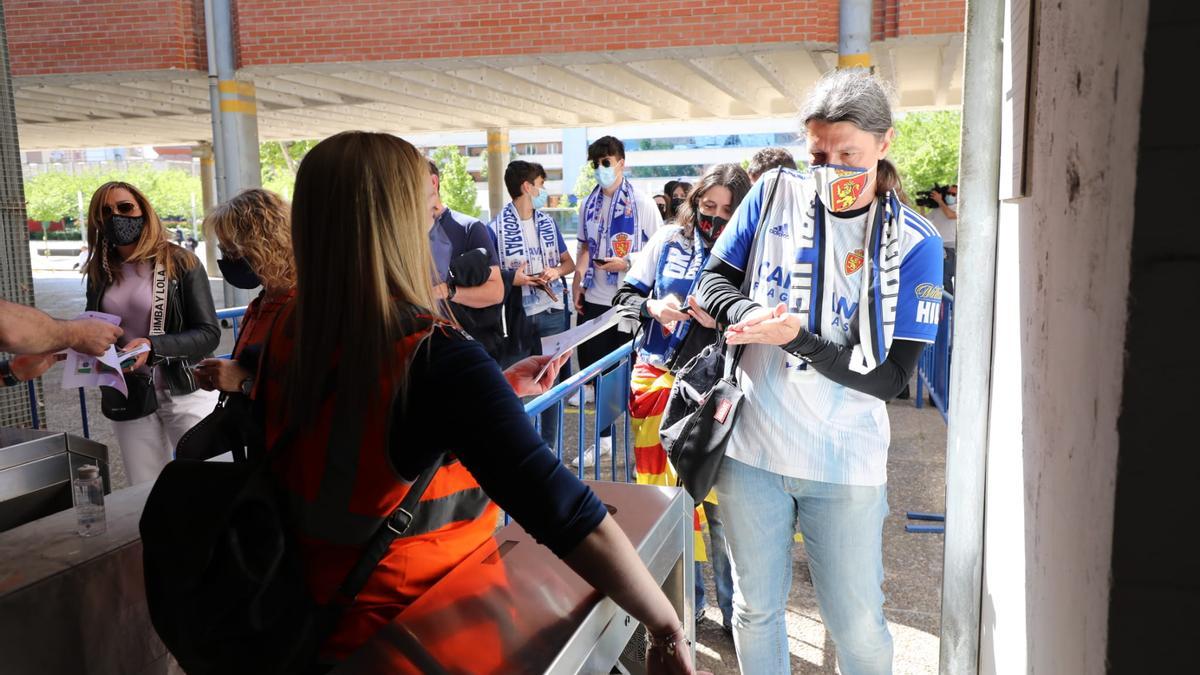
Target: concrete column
497,161
235,124
208,192
854,34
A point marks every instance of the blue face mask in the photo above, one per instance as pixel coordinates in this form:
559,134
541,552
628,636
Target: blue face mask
542,198
950,200
606,175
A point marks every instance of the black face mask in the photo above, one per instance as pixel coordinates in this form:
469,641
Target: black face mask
676,202
238,273
710,227
123,230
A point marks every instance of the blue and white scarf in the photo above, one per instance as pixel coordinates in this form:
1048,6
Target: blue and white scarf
514,250
795,231
618,237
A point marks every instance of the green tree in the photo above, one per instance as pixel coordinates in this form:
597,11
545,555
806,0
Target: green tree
51,196
585,182
925,149
279,161
457,187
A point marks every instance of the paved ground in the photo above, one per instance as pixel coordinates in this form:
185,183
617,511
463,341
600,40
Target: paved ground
913,562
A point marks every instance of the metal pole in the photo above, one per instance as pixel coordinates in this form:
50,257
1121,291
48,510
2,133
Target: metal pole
970,372
854,34
238,112
214,98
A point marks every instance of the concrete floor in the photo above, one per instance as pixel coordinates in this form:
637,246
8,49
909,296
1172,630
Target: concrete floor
912,562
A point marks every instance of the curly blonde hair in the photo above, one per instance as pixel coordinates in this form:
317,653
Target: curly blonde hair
256,225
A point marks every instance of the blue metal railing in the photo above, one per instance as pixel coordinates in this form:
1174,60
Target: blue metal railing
611,377
933,370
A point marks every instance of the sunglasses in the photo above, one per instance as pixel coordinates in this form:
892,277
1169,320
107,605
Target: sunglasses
606,162
123,208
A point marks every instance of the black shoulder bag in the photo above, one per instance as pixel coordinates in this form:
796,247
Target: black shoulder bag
704,403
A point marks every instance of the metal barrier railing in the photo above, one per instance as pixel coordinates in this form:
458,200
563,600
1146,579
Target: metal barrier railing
933,369
611,376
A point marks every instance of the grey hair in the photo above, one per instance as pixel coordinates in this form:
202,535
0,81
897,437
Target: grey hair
853,95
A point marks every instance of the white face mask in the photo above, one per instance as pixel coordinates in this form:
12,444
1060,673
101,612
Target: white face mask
606,176
839,187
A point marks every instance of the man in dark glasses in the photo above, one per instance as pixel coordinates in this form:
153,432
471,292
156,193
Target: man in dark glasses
615,221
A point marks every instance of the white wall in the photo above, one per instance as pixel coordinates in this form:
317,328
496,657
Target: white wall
1062,278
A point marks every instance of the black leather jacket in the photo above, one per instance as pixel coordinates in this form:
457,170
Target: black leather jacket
192,331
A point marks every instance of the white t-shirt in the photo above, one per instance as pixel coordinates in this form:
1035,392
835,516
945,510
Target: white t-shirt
648,220
945,226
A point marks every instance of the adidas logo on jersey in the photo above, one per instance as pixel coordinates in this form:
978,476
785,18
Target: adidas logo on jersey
779,231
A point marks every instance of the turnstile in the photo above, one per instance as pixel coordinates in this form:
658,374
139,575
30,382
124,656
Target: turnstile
36,468
513,607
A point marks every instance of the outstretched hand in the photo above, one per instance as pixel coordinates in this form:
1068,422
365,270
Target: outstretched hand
765,326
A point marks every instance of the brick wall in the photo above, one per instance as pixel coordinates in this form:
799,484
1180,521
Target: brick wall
72,36
82,36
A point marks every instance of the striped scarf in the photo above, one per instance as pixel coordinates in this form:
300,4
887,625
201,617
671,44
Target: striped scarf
514,250
618,237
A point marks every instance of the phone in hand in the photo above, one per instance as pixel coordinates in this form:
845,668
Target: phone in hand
601,261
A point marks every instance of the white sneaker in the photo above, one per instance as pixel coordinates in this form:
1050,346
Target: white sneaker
590,454
573,400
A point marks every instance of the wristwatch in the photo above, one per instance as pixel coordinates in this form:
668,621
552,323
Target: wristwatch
451,288
6,373
247,386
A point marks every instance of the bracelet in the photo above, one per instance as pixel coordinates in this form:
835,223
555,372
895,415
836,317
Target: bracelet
667,642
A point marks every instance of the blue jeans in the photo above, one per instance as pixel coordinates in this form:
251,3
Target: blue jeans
843,539
545,324
718,555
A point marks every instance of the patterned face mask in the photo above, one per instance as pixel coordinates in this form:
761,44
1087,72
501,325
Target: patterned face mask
123,230
839,187
710,227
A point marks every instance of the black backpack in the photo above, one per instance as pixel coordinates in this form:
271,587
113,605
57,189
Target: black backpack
224,579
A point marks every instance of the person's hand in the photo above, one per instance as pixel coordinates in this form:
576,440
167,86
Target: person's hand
223,374
29,366
92,336
577,293
551,275
615,265
675,659
765,326
936,196
697,312
520,374
520,278
141,359
666,310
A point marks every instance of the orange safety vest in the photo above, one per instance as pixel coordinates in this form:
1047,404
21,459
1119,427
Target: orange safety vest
341,484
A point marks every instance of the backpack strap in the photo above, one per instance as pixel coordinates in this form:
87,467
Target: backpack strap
393,527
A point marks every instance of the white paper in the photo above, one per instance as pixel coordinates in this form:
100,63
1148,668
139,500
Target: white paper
85,370
557,345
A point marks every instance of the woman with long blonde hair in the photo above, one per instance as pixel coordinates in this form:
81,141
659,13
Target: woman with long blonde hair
368,386
160,292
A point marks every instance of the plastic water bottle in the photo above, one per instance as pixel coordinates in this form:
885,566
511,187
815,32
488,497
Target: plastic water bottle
88,490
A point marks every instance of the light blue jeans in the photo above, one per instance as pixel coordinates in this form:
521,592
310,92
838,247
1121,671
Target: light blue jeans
843,539
718,555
